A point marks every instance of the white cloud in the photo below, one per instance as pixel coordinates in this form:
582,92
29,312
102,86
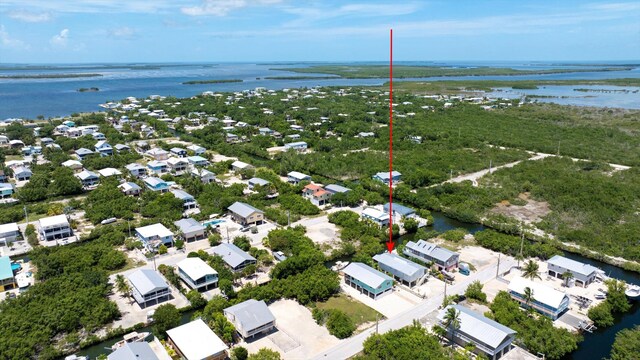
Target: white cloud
123,32
29,16
223,7
7,41
61,39
97,6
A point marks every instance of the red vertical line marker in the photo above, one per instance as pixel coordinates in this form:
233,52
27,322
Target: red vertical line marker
390,242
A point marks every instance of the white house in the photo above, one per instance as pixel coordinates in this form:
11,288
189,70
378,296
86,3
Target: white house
375,215
295,177
54,227
196,341
197,274
154,235
250,318
148,287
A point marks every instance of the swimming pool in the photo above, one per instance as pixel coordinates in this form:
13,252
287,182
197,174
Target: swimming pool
214,222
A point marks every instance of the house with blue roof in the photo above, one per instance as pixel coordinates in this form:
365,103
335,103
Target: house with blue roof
367,280
7,280
384,177
6,190
399,210
156,184
103,148
157,167
82,153
198,161
188,201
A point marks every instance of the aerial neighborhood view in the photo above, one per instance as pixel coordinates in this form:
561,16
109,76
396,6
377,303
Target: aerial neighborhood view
274,179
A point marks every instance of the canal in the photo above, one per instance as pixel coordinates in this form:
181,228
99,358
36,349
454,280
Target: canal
596,345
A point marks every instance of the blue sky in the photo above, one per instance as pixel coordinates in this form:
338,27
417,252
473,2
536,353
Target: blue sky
49,31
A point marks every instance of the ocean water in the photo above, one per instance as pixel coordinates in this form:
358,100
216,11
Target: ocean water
29,98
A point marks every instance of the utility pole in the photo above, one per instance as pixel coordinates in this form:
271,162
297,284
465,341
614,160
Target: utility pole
450,174
26,216
377,323
498,267
558,147
490,166
521,241
288,218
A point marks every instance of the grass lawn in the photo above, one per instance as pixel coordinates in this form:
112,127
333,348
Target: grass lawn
357,311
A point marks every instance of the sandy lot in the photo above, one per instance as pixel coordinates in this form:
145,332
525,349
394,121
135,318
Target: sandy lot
298,336
389,304
532,212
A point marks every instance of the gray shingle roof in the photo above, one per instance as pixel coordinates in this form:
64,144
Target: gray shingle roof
480,327
334,188
251,314
188,225
366,274
243,209
431,250
232,255
400,209
146,281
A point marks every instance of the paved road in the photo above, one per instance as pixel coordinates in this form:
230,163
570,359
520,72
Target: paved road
353,345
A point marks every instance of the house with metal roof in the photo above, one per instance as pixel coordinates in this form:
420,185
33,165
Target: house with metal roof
6,190
239,165
334,189
122,147
22,173
367,280
197,161
196,341
157,166
177,165
198,150
88,178
399,210
148,287
546,300
156,184
154,235
299,146
245,214
488,337
384,177
157,154
134,351
136,170
250,318
130,188
7,280
83,153
188,201
253,182
236,258
583,274
191,230
402,269
9,233
54,228
179,152
375,215
197,274
425,251
103,148
108,172
74,165
295,177
204,175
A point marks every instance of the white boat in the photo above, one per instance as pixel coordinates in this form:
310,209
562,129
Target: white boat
633,292
600,296
130,338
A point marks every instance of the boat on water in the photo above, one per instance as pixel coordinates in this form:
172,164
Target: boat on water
130,338
76,357
633,292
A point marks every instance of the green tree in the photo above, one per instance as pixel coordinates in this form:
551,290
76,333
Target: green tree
165,318
162,249
411,342
242,242
195,299
528,297
340,324
601,314
627,344
474,291
410,225
530,270
265,354
567,276
222,327
616,296
452,321
239,353
122,286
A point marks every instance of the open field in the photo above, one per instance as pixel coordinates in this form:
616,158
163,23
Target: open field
357,311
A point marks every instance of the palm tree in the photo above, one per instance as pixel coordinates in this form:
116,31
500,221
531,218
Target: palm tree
567,275
452,321
122,286
528,298
530,270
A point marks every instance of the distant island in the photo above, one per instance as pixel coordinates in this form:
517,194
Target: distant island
48,76
91,89
212,81
301,77
405,71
